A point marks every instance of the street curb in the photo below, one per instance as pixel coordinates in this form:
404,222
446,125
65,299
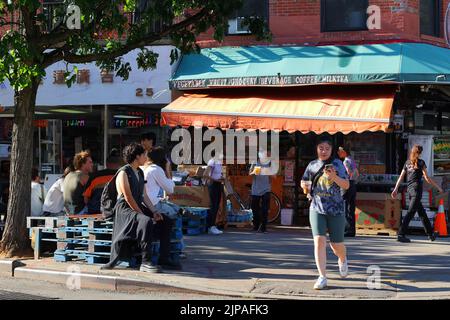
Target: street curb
99,282
111,283
7,267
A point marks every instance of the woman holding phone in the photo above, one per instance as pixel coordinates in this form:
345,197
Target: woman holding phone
325,180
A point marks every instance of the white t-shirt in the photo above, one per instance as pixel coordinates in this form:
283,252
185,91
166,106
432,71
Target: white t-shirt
54,201
38,194
156,179
216,169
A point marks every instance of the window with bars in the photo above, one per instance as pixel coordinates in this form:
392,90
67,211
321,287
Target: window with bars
250,8
157,25
54,11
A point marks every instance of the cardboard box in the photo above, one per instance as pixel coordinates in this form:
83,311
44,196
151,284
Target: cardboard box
377,211
191,196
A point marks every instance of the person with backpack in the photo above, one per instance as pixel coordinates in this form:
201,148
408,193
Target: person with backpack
350,195
124,198
97,182
329,181
415,169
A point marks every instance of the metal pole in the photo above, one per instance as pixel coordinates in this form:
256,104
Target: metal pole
105,136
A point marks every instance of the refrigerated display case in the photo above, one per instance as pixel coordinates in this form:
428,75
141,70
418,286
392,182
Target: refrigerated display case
50,148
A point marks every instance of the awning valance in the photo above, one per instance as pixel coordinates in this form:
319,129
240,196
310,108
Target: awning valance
313,109
281,66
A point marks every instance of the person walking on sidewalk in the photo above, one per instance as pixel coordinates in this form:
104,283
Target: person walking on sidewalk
350,194
414,169
214,178
328,180
261,188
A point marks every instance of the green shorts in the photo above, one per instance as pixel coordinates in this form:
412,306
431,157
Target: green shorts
321,223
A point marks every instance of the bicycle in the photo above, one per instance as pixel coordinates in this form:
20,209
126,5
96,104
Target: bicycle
274,203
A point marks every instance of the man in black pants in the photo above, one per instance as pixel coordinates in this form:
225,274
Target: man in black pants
213,175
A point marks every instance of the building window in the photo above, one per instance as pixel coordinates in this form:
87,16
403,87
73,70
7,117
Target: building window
250,8
344,15
156,25
430,17
54,11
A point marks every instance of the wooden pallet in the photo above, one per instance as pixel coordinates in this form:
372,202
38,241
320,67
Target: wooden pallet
47,222
375,231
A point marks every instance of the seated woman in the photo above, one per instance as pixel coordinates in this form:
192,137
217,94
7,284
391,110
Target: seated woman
156,177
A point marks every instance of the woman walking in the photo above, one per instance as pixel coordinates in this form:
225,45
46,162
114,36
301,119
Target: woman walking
324,181
415,168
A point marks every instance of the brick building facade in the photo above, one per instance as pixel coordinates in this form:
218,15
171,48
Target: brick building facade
298,22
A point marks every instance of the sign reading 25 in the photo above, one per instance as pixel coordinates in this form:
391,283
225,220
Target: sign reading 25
140,92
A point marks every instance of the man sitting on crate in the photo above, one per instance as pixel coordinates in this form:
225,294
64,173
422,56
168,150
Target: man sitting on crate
125,195
157,176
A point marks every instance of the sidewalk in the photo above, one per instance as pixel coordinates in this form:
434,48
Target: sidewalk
279,264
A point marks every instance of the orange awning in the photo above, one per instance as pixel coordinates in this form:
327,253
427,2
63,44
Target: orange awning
329,109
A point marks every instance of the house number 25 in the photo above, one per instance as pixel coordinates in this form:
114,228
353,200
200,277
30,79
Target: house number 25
140,92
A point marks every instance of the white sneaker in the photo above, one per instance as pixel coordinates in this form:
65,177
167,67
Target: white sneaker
321,283
214,230
343,268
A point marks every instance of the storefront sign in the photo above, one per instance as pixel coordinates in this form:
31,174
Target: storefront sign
136,120
40,123
289,171
140,92
46,168
261,81
83,76
75,123
59,77
106,76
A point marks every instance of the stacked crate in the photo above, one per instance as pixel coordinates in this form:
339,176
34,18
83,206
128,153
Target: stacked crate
239,218
194,220
89,239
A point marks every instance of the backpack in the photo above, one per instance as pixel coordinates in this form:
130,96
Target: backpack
108,199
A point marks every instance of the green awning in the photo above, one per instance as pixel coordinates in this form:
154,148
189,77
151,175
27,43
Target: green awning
294,66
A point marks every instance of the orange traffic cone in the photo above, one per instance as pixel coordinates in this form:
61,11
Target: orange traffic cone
439,223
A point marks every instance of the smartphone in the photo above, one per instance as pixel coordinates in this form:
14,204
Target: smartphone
329,167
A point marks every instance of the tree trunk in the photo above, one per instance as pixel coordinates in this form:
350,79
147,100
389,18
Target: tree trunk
15,240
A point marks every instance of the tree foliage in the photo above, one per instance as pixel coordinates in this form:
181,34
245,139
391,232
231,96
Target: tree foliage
109,29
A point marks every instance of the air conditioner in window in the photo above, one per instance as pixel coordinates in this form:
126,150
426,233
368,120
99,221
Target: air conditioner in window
235,26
